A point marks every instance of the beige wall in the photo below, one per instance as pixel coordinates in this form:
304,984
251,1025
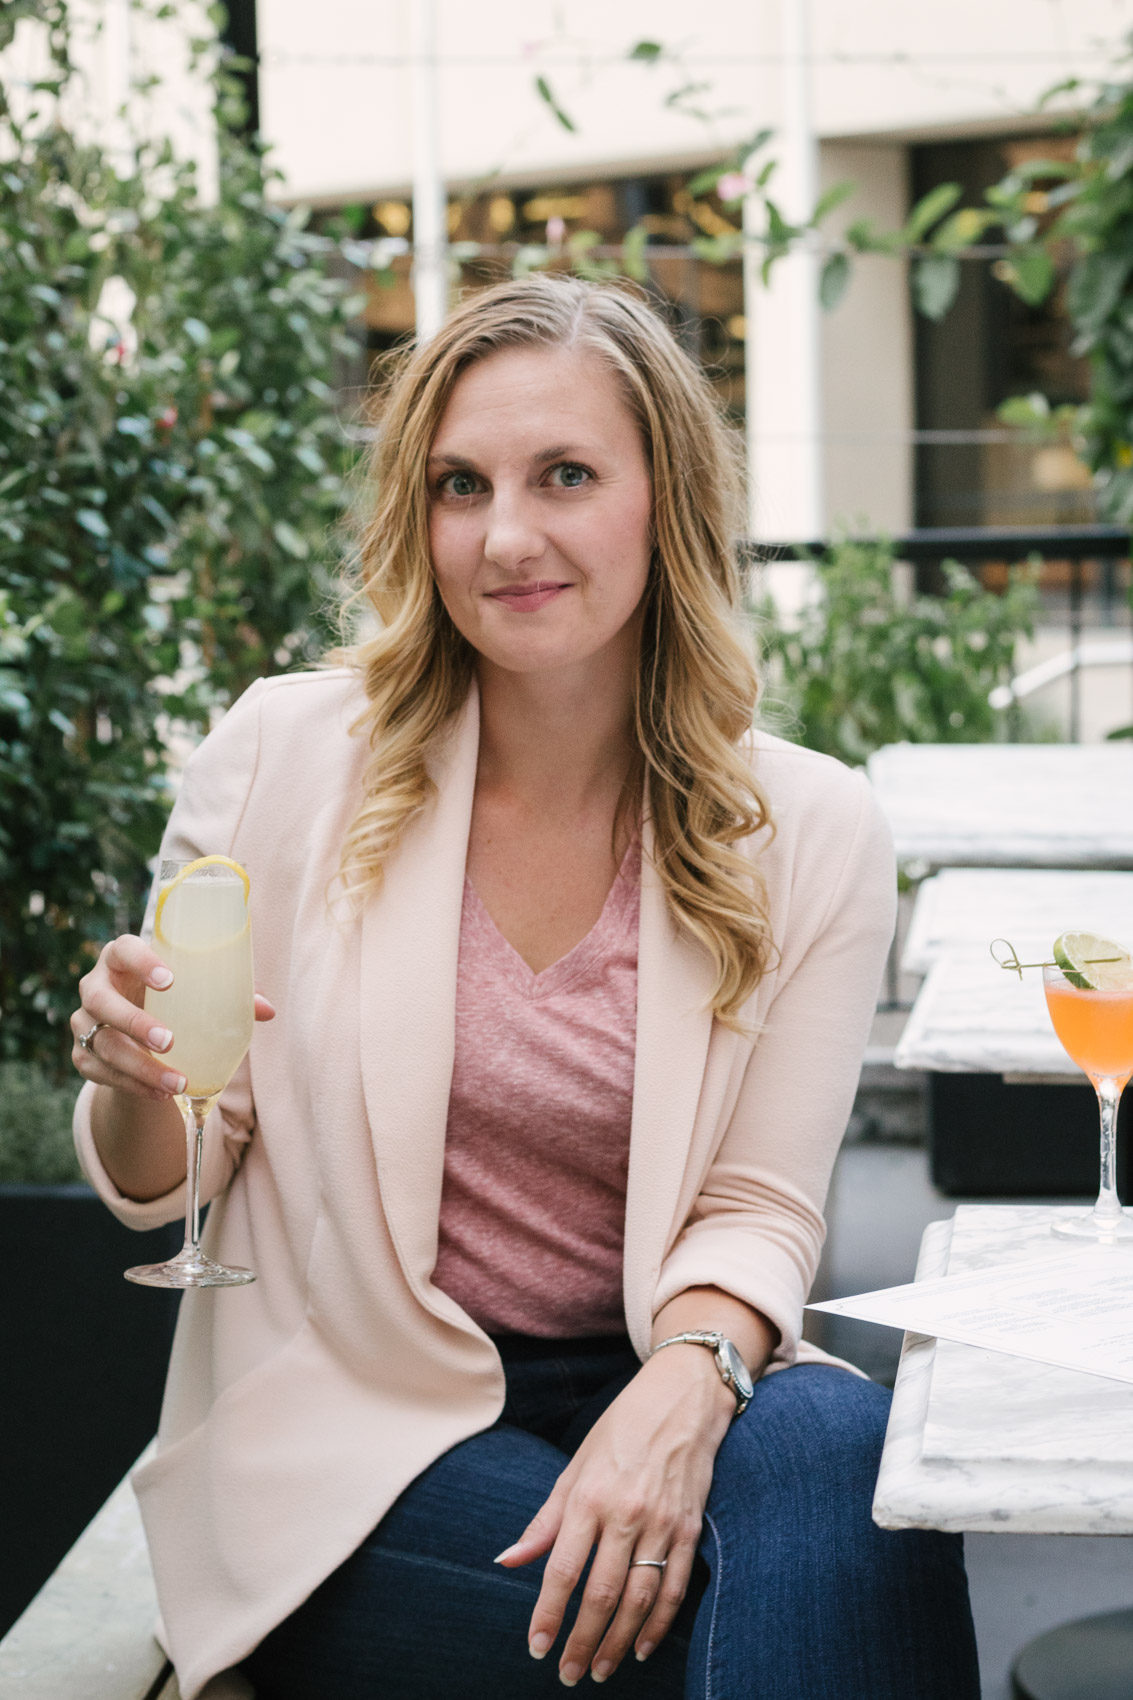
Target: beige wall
334,85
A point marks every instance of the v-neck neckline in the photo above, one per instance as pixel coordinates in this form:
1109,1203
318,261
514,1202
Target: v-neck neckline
582,956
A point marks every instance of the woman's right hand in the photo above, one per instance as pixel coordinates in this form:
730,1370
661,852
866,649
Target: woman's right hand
113,994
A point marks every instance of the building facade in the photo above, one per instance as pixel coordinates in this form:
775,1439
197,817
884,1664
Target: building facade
900,98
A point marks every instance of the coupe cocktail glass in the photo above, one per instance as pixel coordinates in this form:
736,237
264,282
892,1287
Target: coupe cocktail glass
1095,1029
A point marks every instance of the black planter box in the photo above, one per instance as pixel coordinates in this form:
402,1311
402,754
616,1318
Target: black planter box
83,1356
991,1140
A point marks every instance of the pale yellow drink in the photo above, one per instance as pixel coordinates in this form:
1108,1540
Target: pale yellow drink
205,940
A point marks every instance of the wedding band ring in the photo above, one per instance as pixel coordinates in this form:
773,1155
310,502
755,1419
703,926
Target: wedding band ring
653,1563
86,1040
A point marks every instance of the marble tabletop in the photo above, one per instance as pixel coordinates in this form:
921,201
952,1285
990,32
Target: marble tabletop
1008,805
972,1017
965,908
982,1441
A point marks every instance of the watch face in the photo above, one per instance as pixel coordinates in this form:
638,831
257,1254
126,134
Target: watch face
738,1368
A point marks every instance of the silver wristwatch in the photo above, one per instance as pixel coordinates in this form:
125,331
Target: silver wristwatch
733,1370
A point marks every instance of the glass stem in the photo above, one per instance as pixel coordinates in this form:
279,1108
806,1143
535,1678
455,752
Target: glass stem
194,1137
1107,1210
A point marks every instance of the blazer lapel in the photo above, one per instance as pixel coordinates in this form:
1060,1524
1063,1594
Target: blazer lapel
674,1025
409,948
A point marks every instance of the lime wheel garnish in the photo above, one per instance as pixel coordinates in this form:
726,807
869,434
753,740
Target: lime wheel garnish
1093,964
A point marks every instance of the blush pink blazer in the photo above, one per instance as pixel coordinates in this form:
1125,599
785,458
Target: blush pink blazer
299,1407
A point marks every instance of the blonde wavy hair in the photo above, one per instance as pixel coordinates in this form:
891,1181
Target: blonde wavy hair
696,685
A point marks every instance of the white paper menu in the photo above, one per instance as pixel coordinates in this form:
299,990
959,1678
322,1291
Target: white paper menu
1072,1307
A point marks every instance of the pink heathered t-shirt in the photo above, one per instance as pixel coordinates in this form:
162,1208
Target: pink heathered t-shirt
537,1149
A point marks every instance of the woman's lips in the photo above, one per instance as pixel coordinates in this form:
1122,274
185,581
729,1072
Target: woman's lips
526,598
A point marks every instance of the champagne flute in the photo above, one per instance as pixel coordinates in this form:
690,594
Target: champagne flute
202,931
1094,1023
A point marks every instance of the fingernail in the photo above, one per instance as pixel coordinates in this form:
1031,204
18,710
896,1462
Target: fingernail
645,1649
569,1675
601,1670
174,1082
507,1552
160,1038
538,1645
160,978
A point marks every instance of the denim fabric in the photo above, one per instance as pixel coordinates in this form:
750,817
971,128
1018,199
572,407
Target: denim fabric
796,1595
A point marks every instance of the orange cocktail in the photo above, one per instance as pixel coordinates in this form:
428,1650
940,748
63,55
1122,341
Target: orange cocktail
1089,994
1095,1029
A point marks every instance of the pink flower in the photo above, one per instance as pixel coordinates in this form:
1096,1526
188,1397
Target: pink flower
733,186
556,230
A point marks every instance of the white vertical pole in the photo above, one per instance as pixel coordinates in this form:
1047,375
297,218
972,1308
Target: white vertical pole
802,149
784,338
430,235
753,283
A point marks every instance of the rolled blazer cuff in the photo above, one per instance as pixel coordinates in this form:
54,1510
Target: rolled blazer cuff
748,1269
155,1212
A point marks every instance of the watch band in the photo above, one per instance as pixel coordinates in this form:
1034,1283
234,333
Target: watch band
715,1341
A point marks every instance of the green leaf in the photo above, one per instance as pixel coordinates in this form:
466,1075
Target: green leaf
833,197
92,522
705,181
936,280
963,229
288,538
930,209
1024,411
1095,289
1030,274
833,280
648,52
633,253
543,89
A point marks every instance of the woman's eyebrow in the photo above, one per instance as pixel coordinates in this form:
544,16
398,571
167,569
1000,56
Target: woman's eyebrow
449,460
560,451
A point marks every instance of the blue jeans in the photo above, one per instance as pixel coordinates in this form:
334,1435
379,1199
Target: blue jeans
796,1594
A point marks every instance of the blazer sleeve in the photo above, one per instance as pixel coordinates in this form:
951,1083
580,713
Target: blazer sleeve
756,1229
205,819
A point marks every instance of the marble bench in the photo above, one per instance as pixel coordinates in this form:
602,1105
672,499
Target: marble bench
88,1634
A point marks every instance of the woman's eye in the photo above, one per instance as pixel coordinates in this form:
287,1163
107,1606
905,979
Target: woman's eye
569,474
458,484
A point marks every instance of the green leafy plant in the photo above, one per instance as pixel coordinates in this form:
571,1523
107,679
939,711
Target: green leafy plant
171,474
36,1147
864,666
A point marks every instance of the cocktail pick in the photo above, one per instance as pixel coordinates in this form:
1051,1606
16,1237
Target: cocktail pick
1014,966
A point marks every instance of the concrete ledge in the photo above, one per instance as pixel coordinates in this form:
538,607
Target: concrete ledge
88,1634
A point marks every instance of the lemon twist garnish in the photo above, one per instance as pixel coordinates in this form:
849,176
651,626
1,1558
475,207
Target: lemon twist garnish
1092,964
192,868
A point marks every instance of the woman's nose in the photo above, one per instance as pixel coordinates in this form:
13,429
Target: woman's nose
512,535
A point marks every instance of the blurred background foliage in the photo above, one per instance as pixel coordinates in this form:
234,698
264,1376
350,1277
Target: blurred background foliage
1082,227
868,662
171,471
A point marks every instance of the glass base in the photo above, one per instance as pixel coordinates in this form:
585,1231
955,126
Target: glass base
1099,1230
188,1269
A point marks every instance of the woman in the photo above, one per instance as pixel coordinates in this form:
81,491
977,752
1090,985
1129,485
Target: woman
573,975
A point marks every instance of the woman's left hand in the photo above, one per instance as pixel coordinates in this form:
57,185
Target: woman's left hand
636,1488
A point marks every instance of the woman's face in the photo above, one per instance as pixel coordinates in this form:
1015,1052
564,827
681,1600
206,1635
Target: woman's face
540,511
